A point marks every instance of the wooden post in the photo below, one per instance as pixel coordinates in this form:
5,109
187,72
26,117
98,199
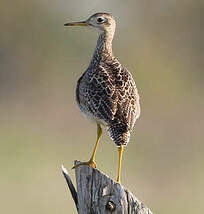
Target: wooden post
99,194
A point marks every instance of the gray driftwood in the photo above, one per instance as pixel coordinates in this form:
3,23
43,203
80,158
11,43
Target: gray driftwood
99,194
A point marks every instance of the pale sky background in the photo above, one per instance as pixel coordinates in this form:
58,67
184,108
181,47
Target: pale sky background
160,42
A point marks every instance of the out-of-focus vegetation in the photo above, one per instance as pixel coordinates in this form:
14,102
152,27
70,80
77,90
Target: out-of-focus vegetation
41,126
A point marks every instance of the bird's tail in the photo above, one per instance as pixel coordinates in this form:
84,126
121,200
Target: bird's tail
119,134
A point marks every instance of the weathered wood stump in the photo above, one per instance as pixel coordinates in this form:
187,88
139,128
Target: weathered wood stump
99,194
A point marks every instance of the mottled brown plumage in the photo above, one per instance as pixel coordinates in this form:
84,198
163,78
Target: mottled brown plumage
106,92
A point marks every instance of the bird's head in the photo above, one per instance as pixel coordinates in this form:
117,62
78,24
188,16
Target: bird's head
102,21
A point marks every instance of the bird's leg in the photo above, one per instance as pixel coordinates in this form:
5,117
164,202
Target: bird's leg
91,162
120,150
99,133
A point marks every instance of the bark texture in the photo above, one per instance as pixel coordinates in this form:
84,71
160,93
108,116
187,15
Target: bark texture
99,194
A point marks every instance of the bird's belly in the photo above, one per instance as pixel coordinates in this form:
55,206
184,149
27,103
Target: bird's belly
83,101
89,115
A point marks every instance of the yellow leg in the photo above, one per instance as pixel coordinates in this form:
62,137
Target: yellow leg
91,162
120,150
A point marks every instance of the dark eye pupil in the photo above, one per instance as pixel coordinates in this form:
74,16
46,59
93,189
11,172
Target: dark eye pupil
100,19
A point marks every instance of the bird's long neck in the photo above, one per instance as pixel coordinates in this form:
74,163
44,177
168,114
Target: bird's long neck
103,48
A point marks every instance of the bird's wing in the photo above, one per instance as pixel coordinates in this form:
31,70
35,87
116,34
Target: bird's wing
102,96
113,96
128,108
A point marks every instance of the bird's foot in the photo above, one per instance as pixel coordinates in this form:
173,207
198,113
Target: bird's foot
91,163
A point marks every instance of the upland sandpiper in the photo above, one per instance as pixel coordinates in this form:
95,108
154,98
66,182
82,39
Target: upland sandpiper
106,92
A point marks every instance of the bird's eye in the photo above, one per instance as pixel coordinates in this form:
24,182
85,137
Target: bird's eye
101,20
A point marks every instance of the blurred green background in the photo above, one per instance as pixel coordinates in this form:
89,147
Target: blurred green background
41,126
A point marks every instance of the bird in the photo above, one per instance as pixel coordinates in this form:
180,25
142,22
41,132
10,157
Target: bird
106,92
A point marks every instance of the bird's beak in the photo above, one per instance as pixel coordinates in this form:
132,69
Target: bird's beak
84,23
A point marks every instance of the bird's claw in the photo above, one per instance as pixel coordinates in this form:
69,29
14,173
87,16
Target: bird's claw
91,163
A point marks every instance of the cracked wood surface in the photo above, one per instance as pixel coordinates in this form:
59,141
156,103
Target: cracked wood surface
99,194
